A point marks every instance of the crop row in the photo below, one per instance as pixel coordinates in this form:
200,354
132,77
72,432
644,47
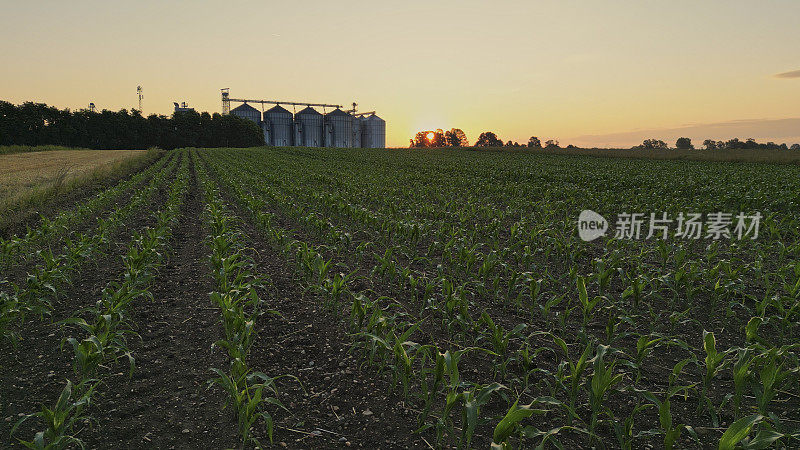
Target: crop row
250,392
100,332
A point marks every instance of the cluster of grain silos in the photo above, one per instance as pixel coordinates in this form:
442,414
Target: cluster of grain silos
310,128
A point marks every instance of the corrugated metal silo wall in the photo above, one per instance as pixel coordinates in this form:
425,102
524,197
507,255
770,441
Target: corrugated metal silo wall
327,132
253,115
265,129
380,142
280,126
357,121
310,128
342,127
374,135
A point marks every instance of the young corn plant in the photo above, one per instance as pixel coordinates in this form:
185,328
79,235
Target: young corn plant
602,381
572,372
64,420
742,377
432,371
738,434
671,431
509,426
334,288
587,306
474,399
771,375
714,362
499,340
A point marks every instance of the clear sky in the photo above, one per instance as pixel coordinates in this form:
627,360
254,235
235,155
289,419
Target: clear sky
601,72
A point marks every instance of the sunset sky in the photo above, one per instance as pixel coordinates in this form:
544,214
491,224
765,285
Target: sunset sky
589,73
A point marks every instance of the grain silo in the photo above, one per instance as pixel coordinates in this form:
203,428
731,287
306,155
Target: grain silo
339,129
373,134
308,128
246,111
265,130
357,122
280,126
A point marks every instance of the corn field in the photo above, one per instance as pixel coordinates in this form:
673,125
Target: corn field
310,298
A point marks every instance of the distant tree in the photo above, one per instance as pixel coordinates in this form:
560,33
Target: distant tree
438,139
652,144
551,143
421,139
734,144
534,142
456,138
488,139
571,146
452,140
516,144
509,144
684,143
710,144
795,147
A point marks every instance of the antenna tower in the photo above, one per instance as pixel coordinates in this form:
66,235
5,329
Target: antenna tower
141,96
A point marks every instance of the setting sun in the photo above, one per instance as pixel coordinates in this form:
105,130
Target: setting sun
430,135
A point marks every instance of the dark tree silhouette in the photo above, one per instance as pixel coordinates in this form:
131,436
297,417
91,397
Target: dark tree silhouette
438,139
39,124
684,143
534,142
710,144
551,143
456,138
421,140
488,139
652,144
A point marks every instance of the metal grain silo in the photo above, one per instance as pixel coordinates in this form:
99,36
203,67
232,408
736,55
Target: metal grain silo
357,121
280,125
339,129
308,128
246,111
265,130
373,133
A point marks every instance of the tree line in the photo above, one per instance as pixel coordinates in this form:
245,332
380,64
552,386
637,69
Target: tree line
38,124
457,138
685,143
